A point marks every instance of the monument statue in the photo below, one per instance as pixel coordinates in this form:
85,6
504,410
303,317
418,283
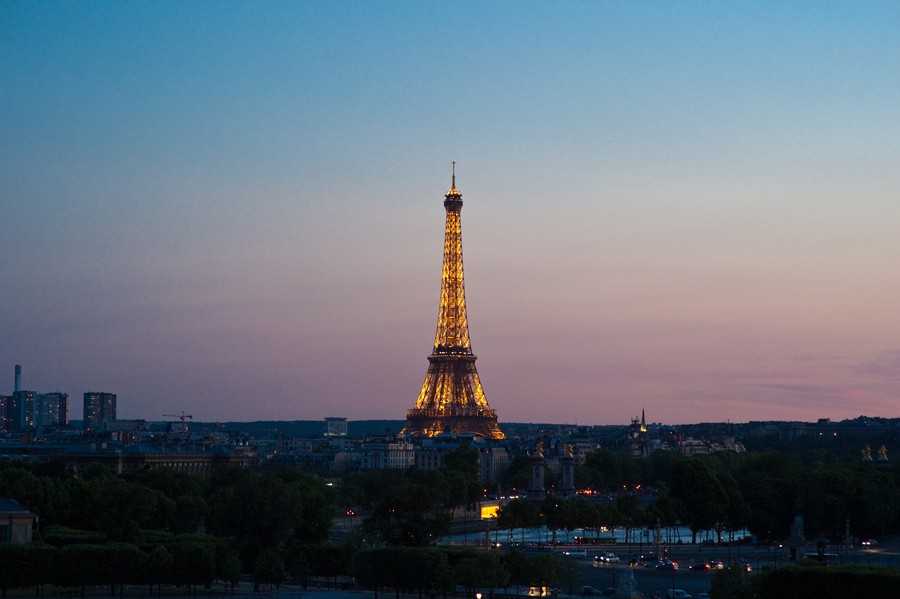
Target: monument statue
570,450
539,450
867,454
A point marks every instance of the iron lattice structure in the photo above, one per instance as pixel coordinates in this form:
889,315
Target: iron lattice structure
452,400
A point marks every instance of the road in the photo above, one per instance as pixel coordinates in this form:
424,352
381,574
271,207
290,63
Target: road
647,580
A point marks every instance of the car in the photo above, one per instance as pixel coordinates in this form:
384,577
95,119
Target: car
714,565
590,592
870,543
742,565
652,564
576,552
607,558
677,594
667,565
700,568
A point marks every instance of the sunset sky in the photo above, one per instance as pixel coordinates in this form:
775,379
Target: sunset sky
235,209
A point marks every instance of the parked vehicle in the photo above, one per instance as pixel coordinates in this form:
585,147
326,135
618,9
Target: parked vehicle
677,594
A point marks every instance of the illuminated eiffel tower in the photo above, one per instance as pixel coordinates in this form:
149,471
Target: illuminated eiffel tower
451,400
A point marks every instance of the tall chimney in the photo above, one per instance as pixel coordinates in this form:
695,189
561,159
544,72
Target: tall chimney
18,378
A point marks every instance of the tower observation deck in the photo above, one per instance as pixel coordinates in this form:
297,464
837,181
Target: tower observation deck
451,399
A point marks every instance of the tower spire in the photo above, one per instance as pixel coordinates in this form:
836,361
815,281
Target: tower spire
451,399
453,190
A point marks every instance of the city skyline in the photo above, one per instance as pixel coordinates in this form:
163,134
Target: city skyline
237,211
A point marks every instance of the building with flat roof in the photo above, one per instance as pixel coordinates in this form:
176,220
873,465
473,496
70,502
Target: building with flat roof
98,407
335,427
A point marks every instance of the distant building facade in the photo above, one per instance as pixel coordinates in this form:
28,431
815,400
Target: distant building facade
335,427
21,411
51,409
391,454
5,416
98,407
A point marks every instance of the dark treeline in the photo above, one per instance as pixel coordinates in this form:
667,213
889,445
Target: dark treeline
759,491
275,524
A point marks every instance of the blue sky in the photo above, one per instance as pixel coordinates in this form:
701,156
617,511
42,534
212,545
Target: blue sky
235,208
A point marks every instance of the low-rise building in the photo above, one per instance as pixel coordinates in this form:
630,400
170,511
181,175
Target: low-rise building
16,522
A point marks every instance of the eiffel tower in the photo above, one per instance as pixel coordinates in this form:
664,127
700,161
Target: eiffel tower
452,400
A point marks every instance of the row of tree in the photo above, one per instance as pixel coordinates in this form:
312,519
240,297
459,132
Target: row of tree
195,560
187,562
759,492
723,491
259,510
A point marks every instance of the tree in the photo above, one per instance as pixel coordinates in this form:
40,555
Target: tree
158,568
553,513
544,570
12,566
729,584
261,511
485,570
518,475
701,493
629,508
189,513
268,569
519,513
193,563
412,513
569,573
736,515
460,470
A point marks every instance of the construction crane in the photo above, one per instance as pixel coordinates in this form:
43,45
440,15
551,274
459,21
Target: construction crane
181,417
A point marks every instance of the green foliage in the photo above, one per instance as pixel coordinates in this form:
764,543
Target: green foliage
532,570
833,582
24,565
700,492
483,570
269,569
159,566
193,563
519,513
413,511
327,560
261,511
729,583
569,573
402,567
518,475
60,536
